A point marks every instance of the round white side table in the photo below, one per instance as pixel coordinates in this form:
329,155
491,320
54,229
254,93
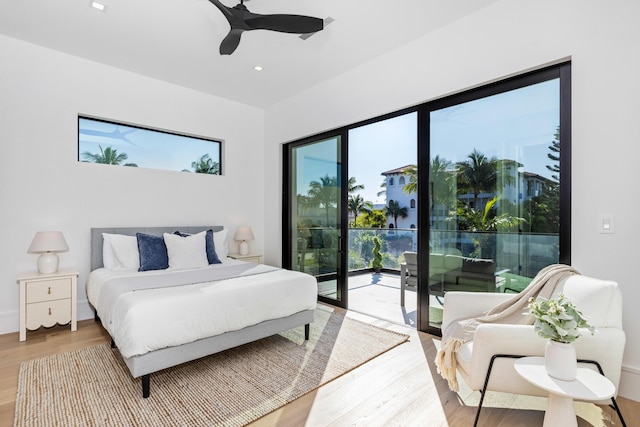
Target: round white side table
589,385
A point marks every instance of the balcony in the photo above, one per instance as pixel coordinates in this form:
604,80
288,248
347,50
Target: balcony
517,256
378,294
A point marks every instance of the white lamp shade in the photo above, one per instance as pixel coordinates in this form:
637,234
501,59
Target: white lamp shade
243,233
47,243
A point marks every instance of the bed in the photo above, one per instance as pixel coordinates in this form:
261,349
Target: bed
161,318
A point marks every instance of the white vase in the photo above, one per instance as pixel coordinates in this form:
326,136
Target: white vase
560,360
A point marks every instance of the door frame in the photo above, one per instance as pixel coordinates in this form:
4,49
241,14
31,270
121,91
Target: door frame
562,71
342,270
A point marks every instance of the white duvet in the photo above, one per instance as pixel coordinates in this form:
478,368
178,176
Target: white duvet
140,321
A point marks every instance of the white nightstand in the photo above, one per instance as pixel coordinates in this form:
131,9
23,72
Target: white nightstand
257,258
588,385
47,299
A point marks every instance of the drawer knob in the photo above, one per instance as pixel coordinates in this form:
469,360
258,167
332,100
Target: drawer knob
49,311
49,291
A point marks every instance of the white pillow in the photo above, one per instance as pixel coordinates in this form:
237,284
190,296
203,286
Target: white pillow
220,242
186,252
125,251
108,259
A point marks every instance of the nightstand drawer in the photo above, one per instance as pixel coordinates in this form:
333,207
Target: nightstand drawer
47,299
48,313
48,290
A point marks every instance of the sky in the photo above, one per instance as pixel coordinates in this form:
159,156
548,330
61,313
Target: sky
380,147
146,148
517,125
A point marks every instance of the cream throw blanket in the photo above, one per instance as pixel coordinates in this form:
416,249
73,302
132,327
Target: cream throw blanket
513,311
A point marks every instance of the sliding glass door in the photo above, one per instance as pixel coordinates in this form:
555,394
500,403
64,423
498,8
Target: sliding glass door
486,204
313,233
496,196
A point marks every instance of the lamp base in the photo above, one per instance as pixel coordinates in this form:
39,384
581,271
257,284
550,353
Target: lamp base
243,248
48,263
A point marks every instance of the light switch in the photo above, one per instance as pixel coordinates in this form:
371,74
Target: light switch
605,224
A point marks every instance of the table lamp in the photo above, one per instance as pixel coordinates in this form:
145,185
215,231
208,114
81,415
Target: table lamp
243,234
47,243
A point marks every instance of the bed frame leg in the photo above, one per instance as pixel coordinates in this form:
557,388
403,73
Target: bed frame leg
146,385
95,316
113,343
306,332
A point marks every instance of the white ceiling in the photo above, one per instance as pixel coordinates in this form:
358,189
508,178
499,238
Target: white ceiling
177,40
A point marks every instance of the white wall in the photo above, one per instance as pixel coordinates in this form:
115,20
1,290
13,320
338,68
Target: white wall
42,186
506,38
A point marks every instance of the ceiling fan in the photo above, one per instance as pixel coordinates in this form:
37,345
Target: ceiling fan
241,20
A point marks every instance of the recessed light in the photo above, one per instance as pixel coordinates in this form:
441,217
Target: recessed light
258,68
98,6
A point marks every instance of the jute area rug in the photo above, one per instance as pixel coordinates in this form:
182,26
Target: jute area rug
93,387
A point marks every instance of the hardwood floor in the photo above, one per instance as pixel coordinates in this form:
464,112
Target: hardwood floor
398,388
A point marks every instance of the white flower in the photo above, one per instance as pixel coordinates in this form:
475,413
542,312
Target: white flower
557,319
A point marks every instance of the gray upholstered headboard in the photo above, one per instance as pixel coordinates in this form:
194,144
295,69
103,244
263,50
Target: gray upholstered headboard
96,236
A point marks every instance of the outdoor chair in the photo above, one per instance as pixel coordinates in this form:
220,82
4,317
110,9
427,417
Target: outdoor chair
408,274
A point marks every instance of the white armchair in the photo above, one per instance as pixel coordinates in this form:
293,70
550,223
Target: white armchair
599,300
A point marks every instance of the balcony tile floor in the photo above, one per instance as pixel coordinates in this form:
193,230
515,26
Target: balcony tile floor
378,295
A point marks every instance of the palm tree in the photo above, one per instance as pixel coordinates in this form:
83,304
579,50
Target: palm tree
412,185
394,210
477,175
383,185
485,223
443,183
352,187
477,220
324,193
108,156
358,205
206,165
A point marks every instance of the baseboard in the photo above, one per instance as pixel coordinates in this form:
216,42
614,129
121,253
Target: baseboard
630,383
10,320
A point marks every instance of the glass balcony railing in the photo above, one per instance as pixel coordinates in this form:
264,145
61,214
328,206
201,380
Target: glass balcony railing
393,242
519,253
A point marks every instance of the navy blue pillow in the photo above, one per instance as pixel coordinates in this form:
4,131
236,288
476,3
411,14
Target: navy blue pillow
212,256
153,252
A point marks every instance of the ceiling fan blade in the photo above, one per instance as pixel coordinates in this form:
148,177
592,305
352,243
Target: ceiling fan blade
224,9
328,20
297,24
230,42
